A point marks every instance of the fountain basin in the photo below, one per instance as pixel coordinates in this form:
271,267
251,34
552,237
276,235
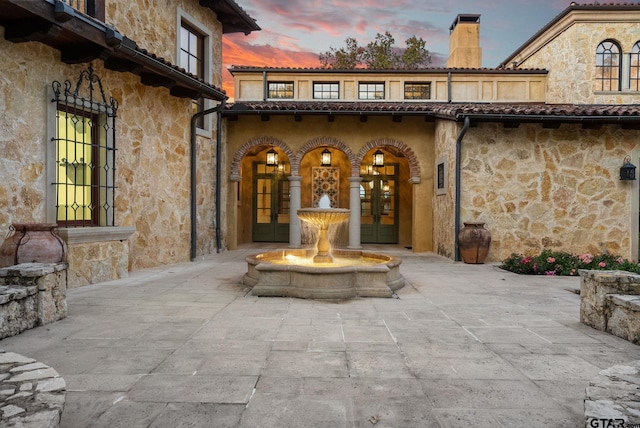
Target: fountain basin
352,274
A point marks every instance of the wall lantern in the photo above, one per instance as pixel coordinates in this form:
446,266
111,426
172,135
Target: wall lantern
325,158
627,170
272,158
378,159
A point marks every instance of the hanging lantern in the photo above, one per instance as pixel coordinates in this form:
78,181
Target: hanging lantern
378,159
272,158
325,158
627,170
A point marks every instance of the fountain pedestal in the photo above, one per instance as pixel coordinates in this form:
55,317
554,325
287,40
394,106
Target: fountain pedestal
324,248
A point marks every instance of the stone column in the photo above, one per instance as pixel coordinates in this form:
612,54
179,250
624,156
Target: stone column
354,217
295,235
232,212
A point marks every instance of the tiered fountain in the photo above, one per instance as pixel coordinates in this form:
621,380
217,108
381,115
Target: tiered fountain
321,273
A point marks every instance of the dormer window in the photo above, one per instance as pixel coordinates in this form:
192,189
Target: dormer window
608,66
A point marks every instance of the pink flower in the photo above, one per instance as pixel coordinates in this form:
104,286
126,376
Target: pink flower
526,260
573,272
620,260
586,258
550,273
602,264
550,260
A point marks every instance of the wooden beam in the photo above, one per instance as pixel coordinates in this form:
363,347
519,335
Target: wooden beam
182,92
297,117
81,53
31,30
156,80
591,125
397,119
363,118
511,125
122,65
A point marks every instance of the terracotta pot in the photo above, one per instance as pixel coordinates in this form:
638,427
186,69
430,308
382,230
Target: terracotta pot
473,242
32,243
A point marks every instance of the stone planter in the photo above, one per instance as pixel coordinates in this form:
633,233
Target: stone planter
33,243
473,242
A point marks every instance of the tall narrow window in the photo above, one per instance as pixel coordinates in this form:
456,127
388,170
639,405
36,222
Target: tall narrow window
84,142
634,68
608,66
192,59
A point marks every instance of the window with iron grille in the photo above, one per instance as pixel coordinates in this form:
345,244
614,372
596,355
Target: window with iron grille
326,91
634,68
608,66
85,153
417,90
192,59
281,90
371,91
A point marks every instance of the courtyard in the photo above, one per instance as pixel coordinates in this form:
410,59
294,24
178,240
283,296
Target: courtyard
188,345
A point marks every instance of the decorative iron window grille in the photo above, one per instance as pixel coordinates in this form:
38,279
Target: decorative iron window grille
85,147
608,66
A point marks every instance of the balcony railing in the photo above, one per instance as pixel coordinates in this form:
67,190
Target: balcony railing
94,8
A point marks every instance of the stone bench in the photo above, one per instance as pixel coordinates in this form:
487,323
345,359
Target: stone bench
610,301
613,397
31,294
32,394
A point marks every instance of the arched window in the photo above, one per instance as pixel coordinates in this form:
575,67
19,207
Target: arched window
634,68
608,66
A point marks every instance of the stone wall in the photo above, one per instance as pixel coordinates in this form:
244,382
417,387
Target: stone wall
539,188
610,301
571,61
444,203
31,294
153,135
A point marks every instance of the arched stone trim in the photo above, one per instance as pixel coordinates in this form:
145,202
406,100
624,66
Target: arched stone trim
254,142
321,142
414,166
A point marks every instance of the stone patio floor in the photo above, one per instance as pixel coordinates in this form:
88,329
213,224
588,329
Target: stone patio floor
187,345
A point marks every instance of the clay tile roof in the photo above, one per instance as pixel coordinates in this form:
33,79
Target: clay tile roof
455,111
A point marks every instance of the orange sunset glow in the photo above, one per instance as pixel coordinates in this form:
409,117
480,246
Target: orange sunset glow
236,51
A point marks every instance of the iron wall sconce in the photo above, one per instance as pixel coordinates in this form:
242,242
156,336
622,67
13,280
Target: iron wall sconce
627,170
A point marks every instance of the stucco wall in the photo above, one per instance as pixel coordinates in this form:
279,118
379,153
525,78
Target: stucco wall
539,188
413,133
152,162
571,61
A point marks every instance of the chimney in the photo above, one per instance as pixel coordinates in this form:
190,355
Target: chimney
464,42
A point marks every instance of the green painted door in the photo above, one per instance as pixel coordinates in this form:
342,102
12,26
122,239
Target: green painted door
270,205
379,207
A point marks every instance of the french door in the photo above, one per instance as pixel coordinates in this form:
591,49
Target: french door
379,206
270,205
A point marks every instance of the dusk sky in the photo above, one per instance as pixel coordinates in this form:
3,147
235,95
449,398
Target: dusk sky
294,32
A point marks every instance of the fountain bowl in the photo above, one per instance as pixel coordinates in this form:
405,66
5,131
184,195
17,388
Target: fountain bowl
352,274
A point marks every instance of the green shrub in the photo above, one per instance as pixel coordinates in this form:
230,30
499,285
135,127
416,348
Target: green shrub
550,262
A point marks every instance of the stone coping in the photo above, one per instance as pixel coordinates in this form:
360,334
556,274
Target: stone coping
32,394
614,396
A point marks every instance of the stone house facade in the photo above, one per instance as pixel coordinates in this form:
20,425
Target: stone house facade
532,148
68,66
